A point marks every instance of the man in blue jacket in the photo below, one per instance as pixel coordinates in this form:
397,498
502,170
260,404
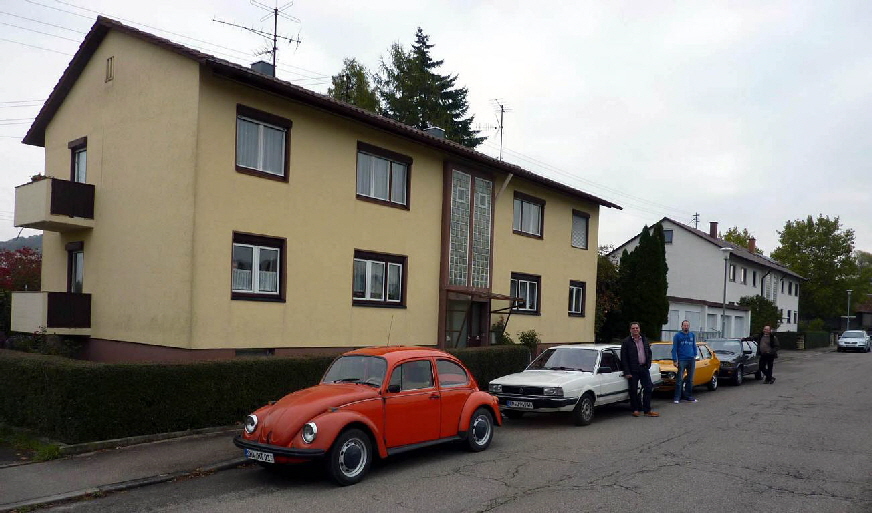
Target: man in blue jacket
684,355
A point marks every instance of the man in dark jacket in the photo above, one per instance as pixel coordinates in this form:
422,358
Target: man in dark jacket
636,363
767,346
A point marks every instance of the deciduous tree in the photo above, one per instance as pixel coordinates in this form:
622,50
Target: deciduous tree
820,250
741,239
763,313
354,85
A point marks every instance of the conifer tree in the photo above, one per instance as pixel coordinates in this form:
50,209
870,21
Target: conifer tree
412,92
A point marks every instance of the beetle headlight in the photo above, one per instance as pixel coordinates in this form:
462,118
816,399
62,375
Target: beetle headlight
553,391
250,423
496,389
310,431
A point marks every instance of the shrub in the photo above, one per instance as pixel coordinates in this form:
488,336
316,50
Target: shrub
499,330
489,363
530,339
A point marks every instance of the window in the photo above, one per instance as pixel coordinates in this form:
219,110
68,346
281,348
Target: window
744,276
794,316
110,69
796,290
256,268
528,215
75,266
580,223
79,160
789,317
451,374
526,287
667,236
413,375
754,278
378,279
732,272
382,175
782,286
262,143
576,298
790,288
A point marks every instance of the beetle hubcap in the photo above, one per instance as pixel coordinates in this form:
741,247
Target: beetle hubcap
352,457
481,430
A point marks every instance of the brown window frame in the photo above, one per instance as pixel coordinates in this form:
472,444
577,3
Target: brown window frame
72,248
75,147
271,119
278,243
536,201
583,286
530,278
390,156
586,216
386,258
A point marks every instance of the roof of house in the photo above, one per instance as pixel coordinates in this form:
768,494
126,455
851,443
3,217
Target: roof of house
36,135
738,251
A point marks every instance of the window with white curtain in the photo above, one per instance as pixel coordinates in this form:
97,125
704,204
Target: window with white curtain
377,279
382,175
261,143
256,267
526,287
528,214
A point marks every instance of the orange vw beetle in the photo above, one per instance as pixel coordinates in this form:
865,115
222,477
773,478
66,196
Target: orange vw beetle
377,400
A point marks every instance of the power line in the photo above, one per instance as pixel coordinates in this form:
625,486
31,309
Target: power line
38,32
42,22
34,46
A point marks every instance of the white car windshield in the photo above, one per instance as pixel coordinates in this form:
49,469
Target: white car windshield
566,358
854,334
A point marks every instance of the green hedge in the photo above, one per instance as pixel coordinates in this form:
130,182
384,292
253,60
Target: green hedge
74,401
816,339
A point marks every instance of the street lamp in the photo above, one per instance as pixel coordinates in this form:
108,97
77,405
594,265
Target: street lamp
848,317
724,303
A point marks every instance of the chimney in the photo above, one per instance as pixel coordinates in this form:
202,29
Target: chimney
713,229
264,68
435,131
752,245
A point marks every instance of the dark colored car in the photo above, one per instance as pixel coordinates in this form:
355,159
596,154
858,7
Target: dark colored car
738,358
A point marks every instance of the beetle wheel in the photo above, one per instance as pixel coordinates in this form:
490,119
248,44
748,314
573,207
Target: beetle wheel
481,430
350,457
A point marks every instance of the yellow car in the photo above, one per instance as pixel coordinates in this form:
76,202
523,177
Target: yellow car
705,373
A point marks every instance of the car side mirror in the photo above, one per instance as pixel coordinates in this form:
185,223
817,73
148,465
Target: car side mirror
393,389
604,370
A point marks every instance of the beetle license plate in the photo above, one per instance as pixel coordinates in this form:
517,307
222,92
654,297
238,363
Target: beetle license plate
266,457
527,405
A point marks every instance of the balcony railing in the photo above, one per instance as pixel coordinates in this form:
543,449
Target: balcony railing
62,313
54,205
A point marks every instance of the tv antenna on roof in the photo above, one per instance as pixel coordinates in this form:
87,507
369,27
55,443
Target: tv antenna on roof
502,109
275,13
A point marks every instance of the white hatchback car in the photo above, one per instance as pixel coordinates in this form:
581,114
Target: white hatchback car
854,340
572,378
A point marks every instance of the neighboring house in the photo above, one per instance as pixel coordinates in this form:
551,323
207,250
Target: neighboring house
198,209
863,316
699,278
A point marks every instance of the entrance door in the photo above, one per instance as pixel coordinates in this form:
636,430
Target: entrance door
466,323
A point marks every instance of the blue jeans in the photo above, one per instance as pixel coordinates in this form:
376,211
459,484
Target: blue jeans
681,382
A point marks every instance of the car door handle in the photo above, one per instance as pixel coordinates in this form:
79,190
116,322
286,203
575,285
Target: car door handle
434,396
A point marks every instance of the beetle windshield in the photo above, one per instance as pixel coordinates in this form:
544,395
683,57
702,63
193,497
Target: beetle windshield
727,347
368,370
566,358
661,351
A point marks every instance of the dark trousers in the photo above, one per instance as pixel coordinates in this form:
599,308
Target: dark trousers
643,376
767,362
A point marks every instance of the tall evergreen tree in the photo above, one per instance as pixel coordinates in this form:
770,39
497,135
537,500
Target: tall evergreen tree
353,85
642,283
412,92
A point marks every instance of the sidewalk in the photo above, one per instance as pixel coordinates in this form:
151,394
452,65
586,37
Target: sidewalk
110,470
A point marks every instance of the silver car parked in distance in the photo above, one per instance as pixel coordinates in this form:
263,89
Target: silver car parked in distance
854,340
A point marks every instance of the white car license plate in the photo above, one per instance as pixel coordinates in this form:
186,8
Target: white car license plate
266,457
527,405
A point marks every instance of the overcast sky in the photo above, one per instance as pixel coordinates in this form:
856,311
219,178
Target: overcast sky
748,113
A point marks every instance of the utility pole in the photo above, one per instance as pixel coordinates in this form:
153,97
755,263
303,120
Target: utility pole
276,13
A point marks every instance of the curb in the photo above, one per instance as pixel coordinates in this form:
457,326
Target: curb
69,450
122,486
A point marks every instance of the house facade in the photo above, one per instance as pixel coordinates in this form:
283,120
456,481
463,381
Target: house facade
708,276
197,209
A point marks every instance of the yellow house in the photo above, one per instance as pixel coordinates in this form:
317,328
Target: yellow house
197,209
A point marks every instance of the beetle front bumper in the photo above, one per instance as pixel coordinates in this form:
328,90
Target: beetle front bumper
303,454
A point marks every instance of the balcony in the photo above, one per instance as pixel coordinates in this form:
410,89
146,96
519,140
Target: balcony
54,205
60,313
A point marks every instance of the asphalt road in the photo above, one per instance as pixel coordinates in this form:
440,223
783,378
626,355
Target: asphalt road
801,444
